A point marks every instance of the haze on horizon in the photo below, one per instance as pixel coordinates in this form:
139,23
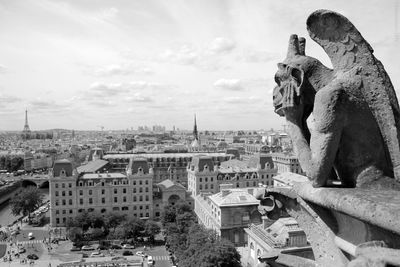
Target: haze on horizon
121,64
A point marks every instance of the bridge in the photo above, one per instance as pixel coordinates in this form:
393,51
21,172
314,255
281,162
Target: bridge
40,181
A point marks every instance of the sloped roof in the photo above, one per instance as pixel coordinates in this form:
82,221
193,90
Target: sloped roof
62,164
235,197
168,184
92,166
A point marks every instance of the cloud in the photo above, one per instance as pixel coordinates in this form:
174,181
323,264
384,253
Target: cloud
8,99
40,105
208,57
221,45
3,69
241,100
118,69
229,84
257,56
138,97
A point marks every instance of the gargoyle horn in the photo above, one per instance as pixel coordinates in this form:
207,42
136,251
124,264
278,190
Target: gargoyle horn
348,50
293,48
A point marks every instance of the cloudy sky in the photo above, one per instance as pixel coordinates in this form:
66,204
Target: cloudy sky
120,64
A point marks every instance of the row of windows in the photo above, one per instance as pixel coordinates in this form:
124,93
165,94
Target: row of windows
115,182
124,208
63,185
63,193
124,199
124,190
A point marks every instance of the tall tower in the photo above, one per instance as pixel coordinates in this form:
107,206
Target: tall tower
195,133
26,126
26,132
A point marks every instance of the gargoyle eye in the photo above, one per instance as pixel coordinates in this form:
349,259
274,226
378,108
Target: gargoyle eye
277,80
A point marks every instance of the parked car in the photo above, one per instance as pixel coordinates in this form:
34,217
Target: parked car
141,254
127,246
97,254
118,258
30,236
21,250
127,253
114,246
75,249
87,248
101,247
150,261
32,257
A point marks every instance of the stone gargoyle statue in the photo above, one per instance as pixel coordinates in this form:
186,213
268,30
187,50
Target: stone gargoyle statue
353,132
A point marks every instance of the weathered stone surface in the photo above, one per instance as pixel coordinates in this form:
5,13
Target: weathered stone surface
356,115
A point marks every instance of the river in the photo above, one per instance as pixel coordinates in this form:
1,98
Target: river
6,216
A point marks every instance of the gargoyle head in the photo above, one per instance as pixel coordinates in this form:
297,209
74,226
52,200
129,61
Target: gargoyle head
293,87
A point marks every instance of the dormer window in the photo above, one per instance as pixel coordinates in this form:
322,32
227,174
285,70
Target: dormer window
140,169
206,167
63,173
80,183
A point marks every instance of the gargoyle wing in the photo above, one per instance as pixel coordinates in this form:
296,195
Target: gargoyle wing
348,50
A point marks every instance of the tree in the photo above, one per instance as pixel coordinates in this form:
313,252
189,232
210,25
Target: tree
133,227
113,219
26,201
151,229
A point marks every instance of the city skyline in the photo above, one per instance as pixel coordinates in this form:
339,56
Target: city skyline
78,65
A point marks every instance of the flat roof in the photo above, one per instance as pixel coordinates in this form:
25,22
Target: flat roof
111,175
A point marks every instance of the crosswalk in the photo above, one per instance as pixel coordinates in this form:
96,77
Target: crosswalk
160,258
35,241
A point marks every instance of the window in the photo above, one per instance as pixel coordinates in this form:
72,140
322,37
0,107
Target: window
147,182
157,214
56,193
103,210
141,215
147,198
81,192
124,190
134,207
64,202
70,201
103,191
134,182
140,182
147,214
200,187
63,193
206,186
147,189
134,198
124,199
206,179
115,199
201,180
69,185
140,198
57,211
81,201
70,211
115,191
103,200
90,200
147,207
90,192
57,220
211,179
63,185
125,208
140,207
56,185
140,190
64,211
64,220
102,183
212,186
81,183
134,190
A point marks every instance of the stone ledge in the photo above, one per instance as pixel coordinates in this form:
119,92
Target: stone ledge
377,207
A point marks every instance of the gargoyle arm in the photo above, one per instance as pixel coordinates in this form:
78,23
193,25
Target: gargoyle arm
317,158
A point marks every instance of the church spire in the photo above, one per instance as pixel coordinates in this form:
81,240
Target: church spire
195,133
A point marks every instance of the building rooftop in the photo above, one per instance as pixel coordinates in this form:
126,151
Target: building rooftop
166,184
112,175
92,166
162,155
234,197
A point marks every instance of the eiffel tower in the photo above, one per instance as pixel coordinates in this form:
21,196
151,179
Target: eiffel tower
26,132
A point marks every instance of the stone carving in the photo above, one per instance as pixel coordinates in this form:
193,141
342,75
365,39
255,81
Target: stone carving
355,125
